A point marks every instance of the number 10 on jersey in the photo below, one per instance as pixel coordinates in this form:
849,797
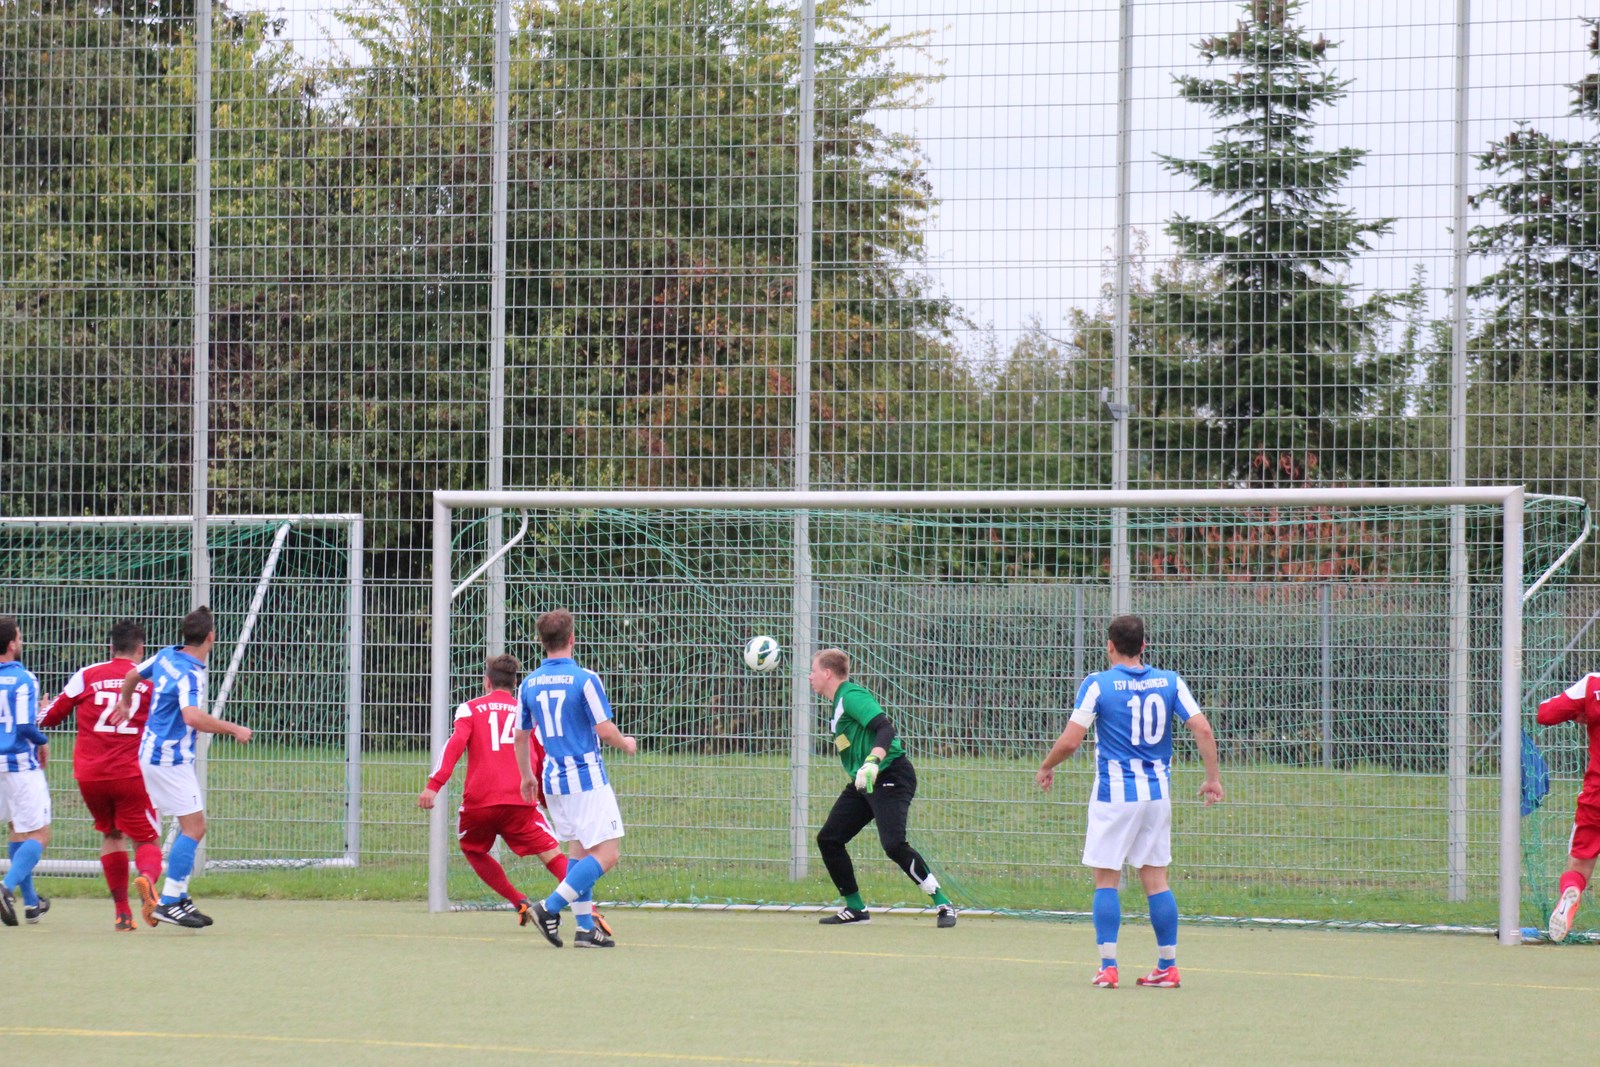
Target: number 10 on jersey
1149,718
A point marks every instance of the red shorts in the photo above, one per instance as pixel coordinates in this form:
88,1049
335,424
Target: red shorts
521,826
120,805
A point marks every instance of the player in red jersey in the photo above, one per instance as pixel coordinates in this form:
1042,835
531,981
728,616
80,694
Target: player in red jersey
491,802
105,762
1580,702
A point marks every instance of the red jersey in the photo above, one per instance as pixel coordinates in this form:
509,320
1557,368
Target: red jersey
486,730
103,752
1581,702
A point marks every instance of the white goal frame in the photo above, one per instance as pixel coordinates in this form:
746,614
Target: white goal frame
1508,498
354,529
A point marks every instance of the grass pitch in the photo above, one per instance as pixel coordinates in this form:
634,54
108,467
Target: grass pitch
386,983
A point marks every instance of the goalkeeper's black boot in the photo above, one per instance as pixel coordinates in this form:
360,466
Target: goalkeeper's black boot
947,916
592,939
846,915
549,924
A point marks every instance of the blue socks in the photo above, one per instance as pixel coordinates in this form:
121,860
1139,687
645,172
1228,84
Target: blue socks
180,864
1107,921
30,896
577,885
24,857
1164,918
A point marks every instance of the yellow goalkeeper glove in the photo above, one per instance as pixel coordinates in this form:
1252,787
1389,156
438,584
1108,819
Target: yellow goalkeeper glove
867,776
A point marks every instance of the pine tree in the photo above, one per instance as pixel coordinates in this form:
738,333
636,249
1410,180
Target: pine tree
1546,293
1277,361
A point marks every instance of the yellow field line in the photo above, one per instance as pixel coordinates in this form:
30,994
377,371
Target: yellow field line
443,1046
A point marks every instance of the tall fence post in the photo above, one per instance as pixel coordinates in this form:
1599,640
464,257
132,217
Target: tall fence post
500,148
1119,409
1460,694
803,625
200,375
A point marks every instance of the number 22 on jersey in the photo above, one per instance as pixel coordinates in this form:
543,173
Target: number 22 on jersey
106,700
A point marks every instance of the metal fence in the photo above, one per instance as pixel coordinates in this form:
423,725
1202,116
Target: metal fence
264,258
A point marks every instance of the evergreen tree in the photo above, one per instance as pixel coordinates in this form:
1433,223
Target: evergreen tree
1545,325
1276,362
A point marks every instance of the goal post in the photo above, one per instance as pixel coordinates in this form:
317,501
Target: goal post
287,590
1218,554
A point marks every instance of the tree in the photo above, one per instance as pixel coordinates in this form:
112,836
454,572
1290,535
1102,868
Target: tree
95,253
1545,322
654,231
1277,362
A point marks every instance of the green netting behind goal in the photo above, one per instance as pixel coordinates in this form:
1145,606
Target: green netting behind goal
289,798
1316,639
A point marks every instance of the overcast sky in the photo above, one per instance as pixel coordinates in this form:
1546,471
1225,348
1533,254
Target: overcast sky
1020,133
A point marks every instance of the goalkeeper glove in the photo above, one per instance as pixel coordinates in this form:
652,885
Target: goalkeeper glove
867,776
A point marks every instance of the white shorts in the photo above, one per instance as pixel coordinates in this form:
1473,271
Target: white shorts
24,800
173,790
1137,833
587,818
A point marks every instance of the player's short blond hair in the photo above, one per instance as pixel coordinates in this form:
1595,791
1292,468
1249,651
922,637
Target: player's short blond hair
834,661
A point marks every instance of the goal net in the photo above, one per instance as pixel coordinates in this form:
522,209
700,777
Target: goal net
286,591
1363,759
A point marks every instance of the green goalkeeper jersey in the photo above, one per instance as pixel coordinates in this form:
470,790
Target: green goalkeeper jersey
853,708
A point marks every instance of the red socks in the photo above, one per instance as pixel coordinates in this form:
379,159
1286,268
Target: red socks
493,875
115,866
147,857
1574,880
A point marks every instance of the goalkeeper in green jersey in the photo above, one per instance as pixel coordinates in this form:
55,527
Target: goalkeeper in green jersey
882,784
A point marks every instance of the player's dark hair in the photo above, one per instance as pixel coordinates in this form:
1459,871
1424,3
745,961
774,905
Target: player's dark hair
555,629
197,626
503,671
8,631
127,636
834,661
1127,634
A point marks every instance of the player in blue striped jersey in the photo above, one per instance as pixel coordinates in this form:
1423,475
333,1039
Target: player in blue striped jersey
566,706
167,752
1132,708
24,797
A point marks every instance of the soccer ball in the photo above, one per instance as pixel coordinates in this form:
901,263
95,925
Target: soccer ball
762,653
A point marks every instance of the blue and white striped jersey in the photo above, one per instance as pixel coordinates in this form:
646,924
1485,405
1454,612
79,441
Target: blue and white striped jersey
180,682
563,703
19,718
1132,710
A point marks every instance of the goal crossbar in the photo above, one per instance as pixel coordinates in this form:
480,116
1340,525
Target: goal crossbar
1509,499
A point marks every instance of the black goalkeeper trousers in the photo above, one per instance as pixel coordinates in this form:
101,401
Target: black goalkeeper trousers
889,804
